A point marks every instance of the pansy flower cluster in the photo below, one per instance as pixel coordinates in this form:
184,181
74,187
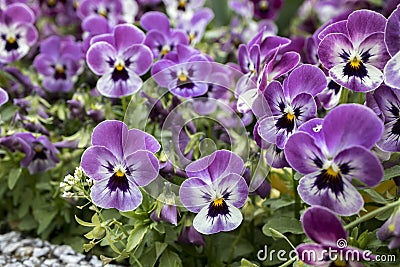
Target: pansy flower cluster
203,131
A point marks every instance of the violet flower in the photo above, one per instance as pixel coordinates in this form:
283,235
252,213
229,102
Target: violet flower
266,9
17,32
3,97
185,80
119,57
354,51
391,229
387,102
40,153
330,96
392,40
330,153
215,190
190,235
330,248
168,212
195,24
290,105
92,26
109,9
59,62
120,160
176,8
160,38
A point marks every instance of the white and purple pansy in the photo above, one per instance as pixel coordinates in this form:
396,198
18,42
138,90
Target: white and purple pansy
119,161
119,57
17,32
333,151
354,50
215,190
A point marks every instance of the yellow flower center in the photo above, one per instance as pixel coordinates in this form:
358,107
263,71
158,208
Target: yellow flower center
38,148
51,3
11,40
60,69
263,5
182,77
392,227
355,62
331,172
192,35
119,173
165,50
290,116
103,12
218,202
340,263
119,67
182,4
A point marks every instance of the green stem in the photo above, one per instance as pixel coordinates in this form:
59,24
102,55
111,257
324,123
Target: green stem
372,214
288,262
344,96
234,244
297,204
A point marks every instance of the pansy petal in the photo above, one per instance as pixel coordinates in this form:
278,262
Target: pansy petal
18,12
98,162
216,165
3,96
332,47
43,64
287,62
349,125
195,194
142,167
347,202
271,133
139,57
359,163
303,154
110,134
127,35
155,20
190,89
313,254
372,80
104,196
337,27
313,127
275,99
386,102
362,23
304,107
322,226
305,79
98,57
163,72
139,140
233,188
110,88
392,32
374,44
392,71
221,223
390,140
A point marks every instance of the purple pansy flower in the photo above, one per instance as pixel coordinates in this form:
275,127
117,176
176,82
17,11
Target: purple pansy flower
160,37
40,153
330,153
391,229
176,8
195,25
120,57
215,190
290,105
3,97
109,9
266,9
60,62
168,212
92,26
392,40
354,51
17,32
387,102
120,160
330,248
189,235
183,72
330,96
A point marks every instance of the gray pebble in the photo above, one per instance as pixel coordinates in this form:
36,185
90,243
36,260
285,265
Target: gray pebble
63,250
24,252
71,258
39,252
10,248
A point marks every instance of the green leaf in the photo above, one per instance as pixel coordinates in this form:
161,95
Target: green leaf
247,263
283,225
44,218
160,247
13,177
135,237
170,259
83,223
391,172
375,196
